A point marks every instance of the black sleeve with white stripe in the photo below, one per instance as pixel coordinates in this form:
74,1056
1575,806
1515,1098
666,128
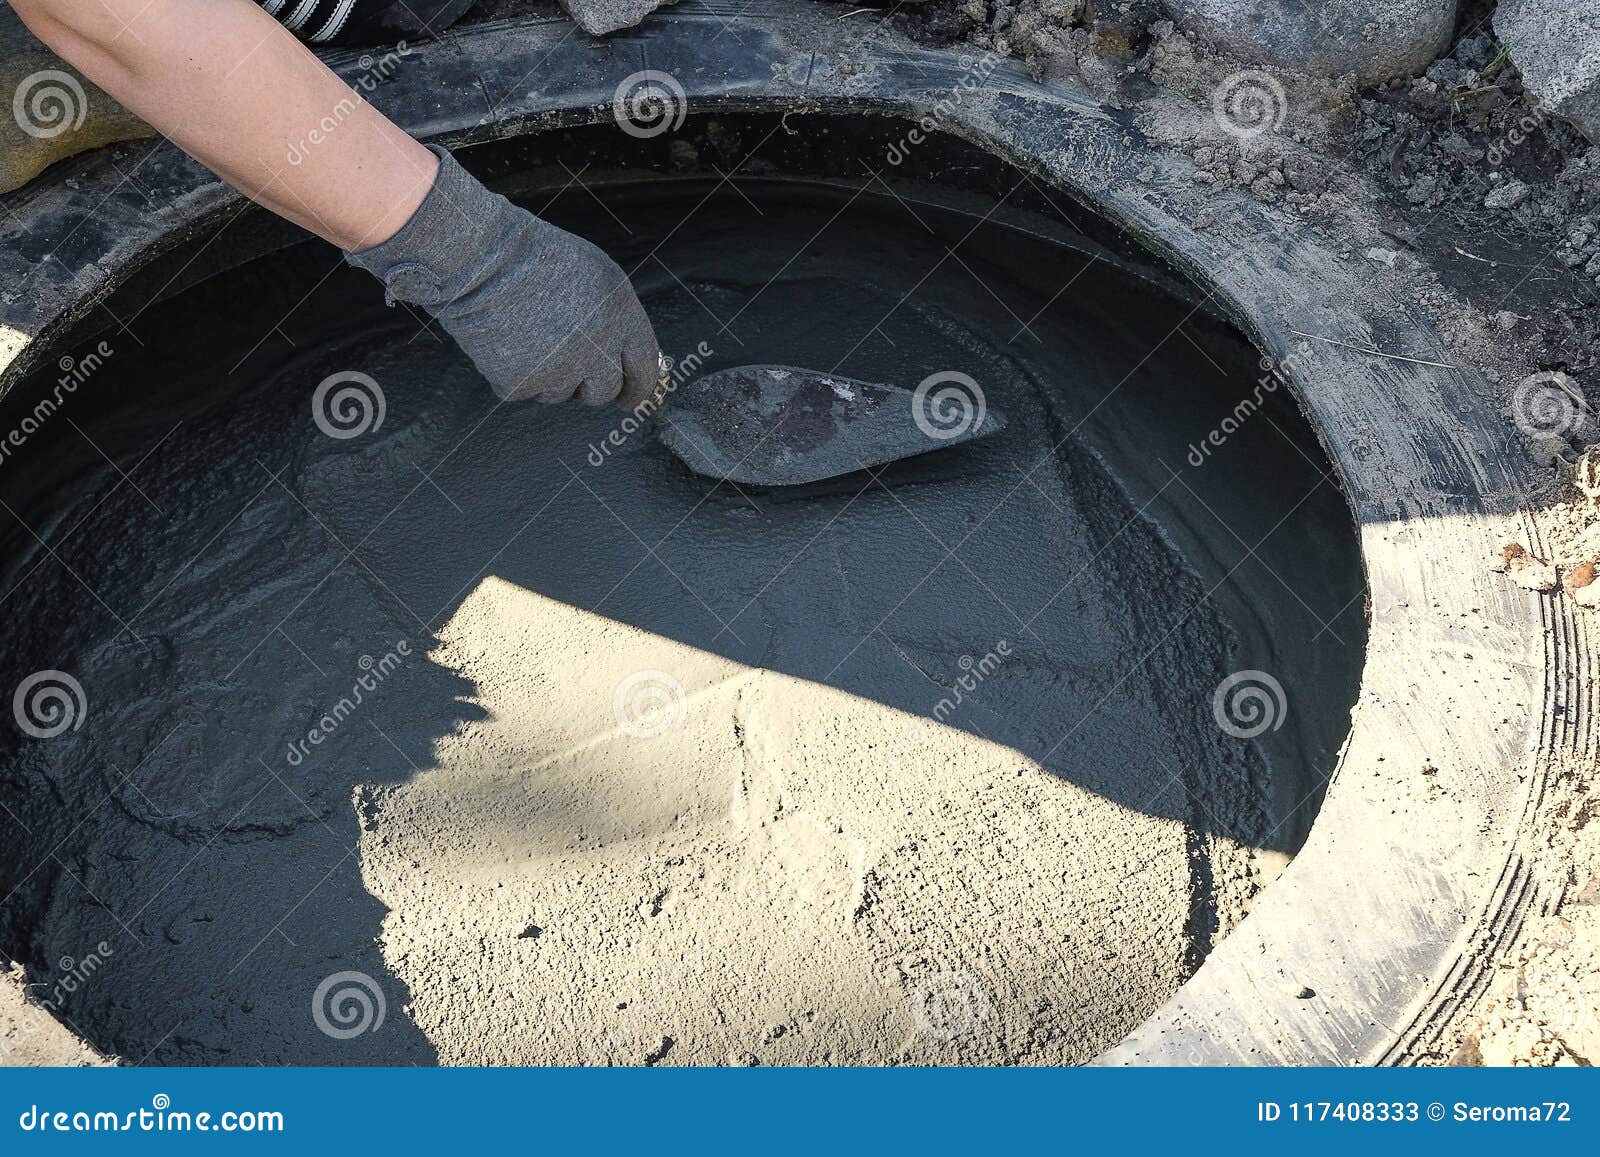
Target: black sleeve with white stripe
364,21
314,21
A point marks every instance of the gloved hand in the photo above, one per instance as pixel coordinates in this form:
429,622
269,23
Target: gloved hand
542,314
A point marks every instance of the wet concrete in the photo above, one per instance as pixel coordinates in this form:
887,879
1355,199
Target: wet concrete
822,834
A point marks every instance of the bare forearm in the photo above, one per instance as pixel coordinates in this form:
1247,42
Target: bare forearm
229,86
540,312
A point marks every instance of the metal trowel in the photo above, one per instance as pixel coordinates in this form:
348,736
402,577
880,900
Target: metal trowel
769,425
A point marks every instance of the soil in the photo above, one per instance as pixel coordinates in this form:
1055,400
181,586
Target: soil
1451,168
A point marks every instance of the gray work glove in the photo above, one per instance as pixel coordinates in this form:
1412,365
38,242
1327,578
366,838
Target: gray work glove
541,313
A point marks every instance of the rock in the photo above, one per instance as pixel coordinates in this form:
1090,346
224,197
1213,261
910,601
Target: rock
1580,585
1374,39
1305,176
1476,51
1506,196
1423,190
1559,933
1526,570
1467,1055
52,111
1555,44
597,17
1461,149
1549,450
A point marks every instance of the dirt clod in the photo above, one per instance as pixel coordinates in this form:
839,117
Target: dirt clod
1526,570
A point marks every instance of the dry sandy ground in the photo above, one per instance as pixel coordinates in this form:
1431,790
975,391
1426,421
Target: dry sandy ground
785,873
31,1036
1543,1004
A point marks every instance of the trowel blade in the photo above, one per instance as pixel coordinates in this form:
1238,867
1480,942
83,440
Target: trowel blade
772,425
